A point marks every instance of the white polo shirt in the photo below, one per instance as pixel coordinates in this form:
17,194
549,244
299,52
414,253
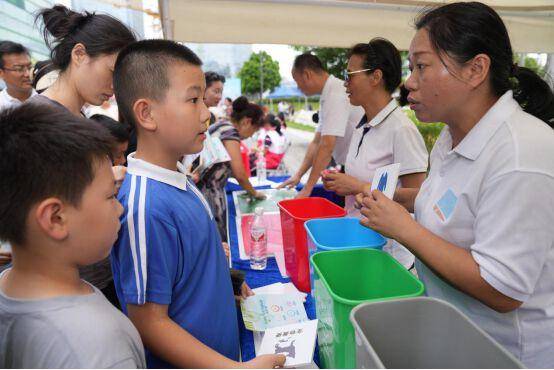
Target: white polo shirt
337,117
7,101
493,194
390,137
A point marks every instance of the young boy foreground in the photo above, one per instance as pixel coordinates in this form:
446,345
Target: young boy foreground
58,210
169,267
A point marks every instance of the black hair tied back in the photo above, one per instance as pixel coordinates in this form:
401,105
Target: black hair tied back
243,108
240,104
463,30
60,22
63,28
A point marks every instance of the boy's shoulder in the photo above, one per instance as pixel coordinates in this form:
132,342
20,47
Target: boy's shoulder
74,331
163,201
158,196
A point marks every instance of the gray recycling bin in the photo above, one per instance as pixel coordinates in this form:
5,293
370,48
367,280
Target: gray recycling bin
422,332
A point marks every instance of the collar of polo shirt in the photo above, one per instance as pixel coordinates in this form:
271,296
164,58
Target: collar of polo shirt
139,167
381,116
477,138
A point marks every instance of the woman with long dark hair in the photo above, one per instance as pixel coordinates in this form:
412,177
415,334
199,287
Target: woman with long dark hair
482,232
84,47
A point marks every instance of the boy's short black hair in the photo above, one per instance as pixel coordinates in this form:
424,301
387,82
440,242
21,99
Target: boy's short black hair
120,130
141,71
44,152
308,61
10,47
212,77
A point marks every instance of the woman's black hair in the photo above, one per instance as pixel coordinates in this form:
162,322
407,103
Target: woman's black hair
381,54
41,69
243,108
119,130
463,30
63,28
212,77
403,95
273,122
283,119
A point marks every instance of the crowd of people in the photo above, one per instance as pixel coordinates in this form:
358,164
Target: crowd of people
118,252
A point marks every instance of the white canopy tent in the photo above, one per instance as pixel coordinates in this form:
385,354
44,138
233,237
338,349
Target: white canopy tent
336,23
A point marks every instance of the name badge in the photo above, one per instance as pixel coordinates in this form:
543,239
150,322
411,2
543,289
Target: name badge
445,206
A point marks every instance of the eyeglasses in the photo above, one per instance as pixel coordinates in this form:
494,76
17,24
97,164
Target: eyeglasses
346,74
19,69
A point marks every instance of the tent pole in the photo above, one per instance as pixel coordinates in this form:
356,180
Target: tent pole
167,23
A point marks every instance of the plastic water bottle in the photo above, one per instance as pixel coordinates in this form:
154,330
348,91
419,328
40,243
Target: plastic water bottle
258,241
261,170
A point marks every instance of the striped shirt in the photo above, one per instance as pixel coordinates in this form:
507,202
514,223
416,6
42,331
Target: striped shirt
169,253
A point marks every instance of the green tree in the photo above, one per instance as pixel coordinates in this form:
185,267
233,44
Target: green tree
334,59
251,83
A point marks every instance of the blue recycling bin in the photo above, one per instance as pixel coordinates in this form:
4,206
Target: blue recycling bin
331,234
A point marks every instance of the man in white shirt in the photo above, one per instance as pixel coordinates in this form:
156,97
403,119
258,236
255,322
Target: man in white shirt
337,120
15,70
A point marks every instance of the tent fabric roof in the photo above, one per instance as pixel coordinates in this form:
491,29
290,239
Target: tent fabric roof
285,91
336,23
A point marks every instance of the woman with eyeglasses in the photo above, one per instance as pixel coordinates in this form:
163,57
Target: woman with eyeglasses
385,135
15,71
483,229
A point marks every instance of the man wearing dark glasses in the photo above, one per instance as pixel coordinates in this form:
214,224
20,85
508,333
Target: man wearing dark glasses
15,70
337,120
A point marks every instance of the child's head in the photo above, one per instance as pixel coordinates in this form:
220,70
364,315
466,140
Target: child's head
120,132
159,87
247,117
271,122
57,187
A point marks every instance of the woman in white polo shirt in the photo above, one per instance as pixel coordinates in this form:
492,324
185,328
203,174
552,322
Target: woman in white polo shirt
385,135
484,234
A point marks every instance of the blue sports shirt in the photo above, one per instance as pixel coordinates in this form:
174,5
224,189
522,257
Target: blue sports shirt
169,252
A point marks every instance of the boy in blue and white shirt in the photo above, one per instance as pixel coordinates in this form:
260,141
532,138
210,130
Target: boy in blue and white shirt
170,271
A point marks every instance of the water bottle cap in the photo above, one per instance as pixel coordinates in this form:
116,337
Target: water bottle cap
259,210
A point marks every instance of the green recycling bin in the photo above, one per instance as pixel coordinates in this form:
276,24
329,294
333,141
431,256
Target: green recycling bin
343,280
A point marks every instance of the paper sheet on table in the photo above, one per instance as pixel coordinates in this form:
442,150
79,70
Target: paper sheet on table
280,259
280,288
274,236
245,204
264,311
254,181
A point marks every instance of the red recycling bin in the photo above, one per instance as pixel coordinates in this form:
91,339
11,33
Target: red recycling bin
294,212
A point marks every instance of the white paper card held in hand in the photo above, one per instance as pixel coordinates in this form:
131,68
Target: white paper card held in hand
385,179
295,341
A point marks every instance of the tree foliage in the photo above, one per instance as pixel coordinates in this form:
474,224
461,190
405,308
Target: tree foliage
334,59
250,73
534,65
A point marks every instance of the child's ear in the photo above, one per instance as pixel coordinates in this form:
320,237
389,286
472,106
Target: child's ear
51,217
144,114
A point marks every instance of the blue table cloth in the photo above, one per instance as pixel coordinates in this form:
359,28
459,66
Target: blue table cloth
268,276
